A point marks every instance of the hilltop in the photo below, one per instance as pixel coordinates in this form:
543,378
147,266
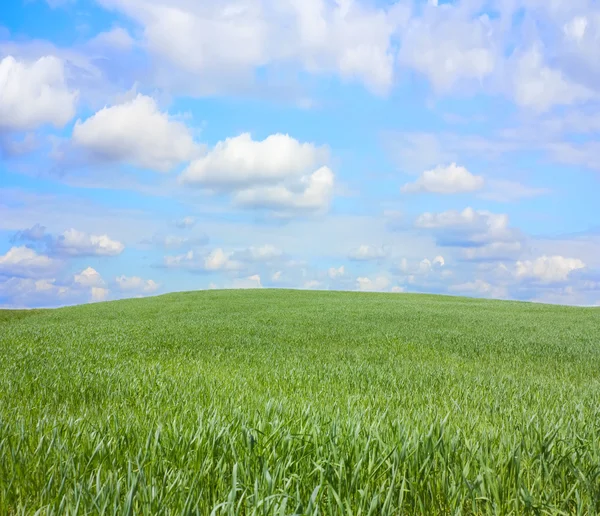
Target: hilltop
275,401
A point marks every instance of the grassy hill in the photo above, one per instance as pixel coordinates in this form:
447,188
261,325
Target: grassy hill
296,402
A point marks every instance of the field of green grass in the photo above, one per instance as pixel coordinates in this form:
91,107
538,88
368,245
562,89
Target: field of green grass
293,402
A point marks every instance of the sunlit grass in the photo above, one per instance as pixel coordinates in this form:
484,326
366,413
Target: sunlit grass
288,402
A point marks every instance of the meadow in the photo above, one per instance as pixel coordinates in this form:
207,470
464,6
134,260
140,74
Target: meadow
278,402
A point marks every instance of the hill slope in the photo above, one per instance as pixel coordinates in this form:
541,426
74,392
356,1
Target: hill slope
274,401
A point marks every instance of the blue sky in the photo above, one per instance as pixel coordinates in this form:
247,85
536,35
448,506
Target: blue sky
150,146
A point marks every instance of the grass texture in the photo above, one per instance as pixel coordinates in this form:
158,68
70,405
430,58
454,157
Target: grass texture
277,402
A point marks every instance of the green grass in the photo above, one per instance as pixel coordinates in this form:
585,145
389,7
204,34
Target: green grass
291,402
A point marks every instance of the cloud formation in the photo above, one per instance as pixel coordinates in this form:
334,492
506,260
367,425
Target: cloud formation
34,93
367,252
25,262
449,179
135,284
78,243
548,269
135,132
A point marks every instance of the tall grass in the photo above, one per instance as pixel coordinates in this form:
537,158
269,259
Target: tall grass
284,402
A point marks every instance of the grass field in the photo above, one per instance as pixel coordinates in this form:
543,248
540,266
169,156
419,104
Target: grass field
295,402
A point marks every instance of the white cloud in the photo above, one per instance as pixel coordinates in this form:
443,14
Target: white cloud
277,173
367,252
540,87
334,273
448,45
78,243
548,269
403,265
311,284
26,292
34,93
241,161
212,44
423,268
138,133
136,284
493,251
398,289
216,260
480,287
99,294
449,179
89,278
469,225
371,285
263,253
249,282
34,233
575,29
311,193
23,261
276,276
426,266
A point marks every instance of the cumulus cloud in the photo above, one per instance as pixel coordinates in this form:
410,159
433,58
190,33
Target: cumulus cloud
426,265
23,261
334,273
311,284
35,233
311,193
467,228
136,284
71,242
449,179
209,45
81,287
367,252
249,282
34,93
28,292
540,87
448,44
89,278
215,260
241,161
423,268
264,253
278,173
138,133
78,243
479,287
575,29
366,284
548,269
99,294
493,251
218,260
